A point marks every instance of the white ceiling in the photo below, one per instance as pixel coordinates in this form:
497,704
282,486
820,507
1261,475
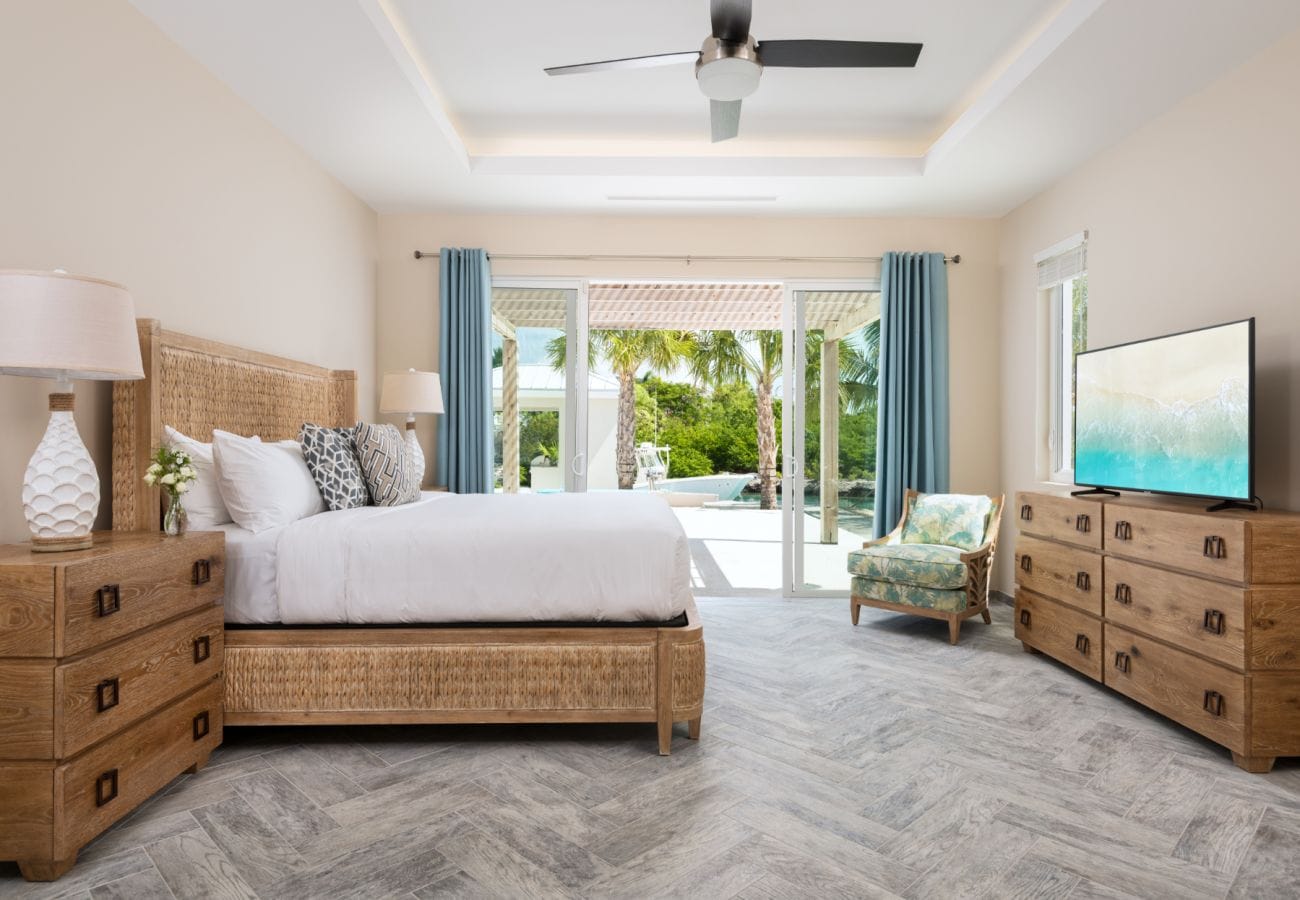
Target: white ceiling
421,105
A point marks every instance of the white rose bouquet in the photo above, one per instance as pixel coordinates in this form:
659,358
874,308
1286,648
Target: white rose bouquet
171,470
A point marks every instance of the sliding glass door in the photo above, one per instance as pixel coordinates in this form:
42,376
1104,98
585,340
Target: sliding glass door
539,384
829,425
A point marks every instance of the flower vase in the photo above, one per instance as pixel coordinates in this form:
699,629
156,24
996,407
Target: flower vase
174,518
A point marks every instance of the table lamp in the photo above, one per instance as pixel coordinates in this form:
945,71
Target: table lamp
60,326
413,393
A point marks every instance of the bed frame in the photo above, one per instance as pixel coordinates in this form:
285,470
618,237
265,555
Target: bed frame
340,675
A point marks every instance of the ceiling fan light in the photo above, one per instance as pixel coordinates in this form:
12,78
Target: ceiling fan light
731,78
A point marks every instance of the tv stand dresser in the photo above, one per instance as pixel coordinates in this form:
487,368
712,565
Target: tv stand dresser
1195,615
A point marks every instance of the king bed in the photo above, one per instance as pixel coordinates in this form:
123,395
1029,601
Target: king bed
452,609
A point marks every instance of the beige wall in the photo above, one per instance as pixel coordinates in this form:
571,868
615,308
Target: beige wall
123,158
408,288
1192,221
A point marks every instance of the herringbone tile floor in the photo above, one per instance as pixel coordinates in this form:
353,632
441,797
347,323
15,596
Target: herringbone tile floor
836,761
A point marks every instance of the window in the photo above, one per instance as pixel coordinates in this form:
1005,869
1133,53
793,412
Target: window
1063,283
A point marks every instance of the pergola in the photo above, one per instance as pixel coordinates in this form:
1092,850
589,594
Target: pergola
687,307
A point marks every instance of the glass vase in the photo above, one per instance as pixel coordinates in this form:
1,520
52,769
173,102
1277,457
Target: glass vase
174,517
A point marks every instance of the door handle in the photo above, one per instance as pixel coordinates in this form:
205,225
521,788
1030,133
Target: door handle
579,464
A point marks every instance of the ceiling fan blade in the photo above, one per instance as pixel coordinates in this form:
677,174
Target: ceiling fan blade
837,54
632,62
730,20
724,119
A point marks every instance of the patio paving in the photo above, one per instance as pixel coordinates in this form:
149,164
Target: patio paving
737,551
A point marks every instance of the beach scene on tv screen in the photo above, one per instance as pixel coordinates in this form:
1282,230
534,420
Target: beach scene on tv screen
1168,415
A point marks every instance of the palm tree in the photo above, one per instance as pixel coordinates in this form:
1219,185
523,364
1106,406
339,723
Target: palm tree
859,367
625,351
751,357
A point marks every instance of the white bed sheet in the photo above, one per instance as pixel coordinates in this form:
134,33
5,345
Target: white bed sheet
617,556
250,575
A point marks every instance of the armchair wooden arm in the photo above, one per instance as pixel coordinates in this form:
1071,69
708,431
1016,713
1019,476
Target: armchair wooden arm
898,529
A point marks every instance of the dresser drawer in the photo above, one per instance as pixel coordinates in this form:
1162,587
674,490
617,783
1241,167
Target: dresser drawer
107,782
1061,632
1204,616
1205,697
49,810
1201,544
109,596
106,690
1069,519
1069,574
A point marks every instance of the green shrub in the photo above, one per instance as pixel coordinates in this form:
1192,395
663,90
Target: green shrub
688,462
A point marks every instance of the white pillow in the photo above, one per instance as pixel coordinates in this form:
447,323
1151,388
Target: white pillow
264,485
204,508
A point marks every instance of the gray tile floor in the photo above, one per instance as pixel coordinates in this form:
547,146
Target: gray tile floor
875,761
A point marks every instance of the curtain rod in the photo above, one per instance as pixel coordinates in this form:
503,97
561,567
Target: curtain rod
652,257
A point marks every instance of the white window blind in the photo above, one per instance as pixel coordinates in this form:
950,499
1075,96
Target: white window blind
1062,261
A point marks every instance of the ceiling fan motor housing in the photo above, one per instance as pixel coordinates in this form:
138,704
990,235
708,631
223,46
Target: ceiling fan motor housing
727,70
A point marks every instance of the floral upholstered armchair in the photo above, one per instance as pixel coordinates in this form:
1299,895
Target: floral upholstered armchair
936,563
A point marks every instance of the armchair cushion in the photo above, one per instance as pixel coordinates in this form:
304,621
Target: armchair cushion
920,565
909,595
953,520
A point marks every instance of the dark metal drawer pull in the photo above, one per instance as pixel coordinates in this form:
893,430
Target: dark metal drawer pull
1123,594
201,725
1083,581
202,648
1215,547
106,787
106,695
1024,618
1213,703
1027,512
1082,644
109,599
202,571
1122,661
1213,622
1083,523
1026,563
1123,531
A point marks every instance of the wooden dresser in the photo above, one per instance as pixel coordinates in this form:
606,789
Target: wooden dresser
1193,614
110,684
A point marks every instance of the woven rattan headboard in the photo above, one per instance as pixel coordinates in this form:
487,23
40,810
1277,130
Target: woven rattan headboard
196,385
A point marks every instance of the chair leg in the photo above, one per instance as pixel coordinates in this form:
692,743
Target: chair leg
954,629
984,614
854,609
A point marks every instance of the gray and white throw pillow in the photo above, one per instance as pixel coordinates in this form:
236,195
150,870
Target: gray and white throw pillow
386,465
332,458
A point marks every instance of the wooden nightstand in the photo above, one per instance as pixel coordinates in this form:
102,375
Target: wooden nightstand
110,684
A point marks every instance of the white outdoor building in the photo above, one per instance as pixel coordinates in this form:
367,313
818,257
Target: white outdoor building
541,387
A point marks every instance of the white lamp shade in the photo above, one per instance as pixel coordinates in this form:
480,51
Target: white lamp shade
67,326
411,392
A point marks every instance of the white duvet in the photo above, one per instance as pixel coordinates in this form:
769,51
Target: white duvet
616,556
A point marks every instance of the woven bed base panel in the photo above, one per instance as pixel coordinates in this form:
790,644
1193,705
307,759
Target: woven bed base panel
521,675
437,679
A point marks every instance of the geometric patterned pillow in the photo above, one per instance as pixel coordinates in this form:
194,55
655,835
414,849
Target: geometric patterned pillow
386,464
332,458
952,520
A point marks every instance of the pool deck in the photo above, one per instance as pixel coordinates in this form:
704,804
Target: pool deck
738,551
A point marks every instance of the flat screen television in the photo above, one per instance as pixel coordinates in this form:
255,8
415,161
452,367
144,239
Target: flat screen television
1170,415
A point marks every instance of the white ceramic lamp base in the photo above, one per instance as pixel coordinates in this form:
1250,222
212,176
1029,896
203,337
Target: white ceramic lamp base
61,486
413,447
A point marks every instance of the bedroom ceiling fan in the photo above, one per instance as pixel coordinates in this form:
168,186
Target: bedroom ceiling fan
729,64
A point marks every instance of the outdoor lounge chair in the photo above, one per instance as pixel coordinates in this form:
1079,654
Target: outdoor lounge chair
936,563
